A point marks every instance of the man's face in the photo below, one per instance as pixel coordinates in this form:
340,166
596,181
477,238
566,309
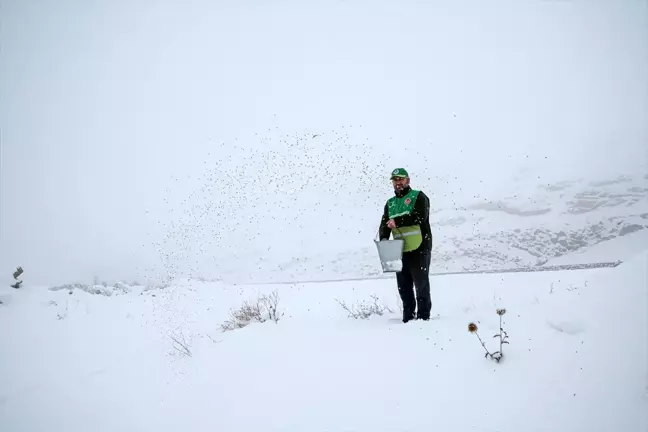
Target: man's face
399,183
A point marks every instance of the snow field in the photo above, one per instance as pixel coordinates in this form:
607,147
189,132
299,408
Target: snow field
619,248
576,360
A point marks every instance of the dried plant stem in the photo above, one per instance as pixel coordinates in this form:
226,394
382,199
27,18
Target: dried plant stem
503,336
482,343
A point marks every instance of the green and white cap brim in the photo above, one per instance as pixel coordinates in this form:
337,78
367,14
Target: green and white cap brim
399,173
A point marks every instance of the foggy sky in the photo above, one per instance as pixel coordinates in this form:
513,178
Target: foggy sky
130,124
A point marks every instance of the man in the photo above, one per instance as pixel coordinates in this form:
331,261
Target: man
406,216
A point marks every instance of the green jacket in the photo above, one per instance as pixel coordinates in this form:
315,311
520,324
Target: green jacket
410,209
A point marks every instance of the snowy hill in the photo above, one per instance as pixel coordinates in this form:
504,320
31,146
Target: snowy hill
518,230
557,220
141,359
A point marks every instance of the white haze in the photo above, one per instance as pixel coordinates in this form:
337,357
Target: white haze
192,124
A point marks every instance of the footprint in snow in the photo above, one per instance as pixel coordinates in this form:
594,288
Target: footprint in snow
570,328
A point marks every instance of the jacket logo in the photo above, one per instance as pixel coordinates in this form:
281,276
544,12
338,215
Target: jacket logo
408,201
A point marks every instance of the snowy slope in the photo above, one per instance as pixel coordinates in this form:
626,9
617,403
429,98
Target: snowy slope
619,248
519,229
80,359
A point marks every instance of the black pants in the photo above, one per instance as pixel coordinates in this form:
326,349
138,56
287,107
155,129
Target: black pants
415,273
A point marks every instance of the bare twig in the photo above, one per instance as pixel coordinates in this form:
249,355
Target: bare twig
213,340
60,316
363,309
180,344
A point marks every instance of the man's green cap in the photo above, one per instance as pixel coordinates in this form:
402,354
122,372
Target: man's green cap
399,172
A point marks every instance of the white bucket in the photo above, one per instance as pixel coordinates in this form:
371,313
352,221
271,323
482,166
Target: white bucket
390,253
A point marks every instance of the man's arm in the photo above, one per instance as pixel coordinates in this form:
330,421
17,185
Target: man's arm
420,213
384,230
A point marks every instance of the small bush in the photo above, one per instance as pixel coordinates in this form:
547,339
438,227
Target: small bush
264,308
364,309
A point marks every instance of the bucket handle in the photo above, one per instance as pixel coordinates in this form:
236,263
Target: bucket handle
378,233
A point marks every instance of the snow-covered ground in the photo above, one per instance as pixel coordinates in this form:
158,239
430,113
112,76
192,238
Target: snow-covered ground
103,358
205,154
